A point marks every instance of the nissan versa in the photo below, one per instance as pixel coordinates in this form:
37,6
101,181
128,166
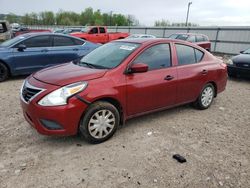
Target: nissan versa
118,81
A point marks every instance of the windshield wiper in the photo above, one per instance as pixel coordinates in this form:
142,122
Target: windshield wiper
93,65
88,64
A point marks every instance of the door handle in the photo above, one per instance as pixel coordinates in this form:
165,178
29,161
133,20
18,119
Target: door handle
204,72
169,77
75,49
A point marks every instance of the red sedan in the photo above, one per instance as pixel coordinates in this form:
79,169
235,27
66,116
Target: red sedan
118,81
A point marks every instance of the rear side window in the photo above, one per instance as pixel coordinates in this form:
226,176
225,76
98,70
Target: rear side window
156,57
78,42
39,41
191,39
205,38
188,55
199,38
198,55
102,30
63,41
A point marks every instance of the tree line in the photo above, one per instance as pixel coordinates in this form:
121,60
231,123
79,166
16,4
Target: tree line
165,23
86,17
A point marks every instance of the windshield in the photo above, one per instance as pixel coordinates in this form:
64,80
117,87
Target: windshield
247,51
12,41
109,55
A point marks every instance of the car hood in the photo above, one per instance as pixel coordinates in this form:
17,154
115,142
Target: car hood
67,73
242,58
2,48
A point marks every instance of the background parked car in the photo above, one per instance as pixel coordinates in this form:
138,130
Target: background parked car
240,65
5,32
58,30
199,39
30,52
140,36
71,30
99,34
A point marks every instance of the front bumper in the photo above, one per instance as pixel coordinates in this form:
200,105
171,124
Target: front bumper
58,120
234,71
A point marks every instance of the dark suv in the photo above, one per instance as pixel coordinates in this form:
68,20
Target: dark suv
199,39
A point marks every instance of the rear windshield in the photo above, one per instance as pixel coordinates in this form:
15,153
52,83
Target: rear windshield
109,55
179,36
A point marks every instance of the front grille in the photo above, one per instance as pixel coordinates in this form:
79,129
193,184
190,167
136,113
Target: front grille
29,92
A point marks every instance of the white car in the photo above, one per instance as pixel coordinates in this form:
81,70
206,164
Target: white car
140,36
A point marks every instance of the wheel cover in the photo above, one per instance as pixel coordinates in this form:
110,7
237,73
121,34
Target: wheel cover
207,96
101,124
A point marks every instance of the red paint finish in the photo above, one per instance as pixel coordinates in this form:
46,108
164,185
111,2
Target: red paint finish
98,34
137,93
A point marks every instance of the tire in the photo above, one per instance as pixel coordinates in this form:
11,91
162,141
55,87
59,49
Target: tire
91,123
206,97
4,72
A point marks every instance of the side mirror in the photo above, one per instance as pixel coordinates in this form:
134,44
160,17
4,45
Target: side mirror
21,47
242,51
137,68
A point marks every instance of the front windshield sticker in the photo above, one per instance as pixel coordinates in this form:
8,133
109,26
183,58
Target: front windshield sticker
129,48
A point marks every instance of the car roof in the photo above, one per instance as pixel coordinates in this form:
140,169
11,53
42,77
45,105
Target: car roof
189,34
27,35
149,40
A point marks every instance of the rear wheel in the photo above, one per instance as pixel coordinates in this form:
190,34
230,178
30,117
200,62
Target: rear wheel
4,72
99,122
206,97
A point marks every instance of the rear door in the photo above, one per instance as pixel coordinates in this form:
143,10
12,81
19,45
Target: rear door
64,50
155,88
36,56
192,73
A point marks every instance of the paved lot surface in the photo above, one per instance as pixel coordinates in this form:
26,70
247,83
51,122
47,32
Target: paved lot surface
215,142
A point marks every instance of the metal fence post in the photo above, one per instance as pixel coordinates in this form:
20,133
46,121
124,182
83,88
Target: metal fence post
164,31
216,39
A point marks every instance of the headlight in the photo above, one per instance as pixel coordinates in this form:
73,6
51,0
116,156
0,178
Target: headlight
230,62
61,95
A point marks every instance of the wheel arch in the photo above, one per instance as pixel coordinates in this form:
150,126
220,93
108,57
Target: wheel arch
9,71
114,102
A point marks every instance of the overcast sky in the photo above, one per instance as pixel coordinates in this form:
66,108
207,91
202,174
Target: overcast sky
202,12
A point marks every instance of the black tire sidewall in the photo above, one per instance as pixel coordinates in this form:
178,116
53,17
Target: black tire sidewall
93,108
6,72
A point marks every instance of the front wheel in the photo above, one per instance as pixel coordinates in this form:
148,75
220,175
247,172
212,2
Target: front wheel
100,122
4,72
206,97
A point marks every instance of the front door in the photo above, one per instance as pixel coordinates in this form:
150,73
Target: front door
35,57
155,88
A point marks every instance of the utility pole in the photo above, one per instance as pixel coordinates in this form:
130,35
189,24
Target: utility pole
110,19
189,4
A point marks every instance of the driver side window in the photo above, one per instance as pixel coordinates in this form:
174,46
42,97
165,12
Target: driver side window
39,41
156,57
94,30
